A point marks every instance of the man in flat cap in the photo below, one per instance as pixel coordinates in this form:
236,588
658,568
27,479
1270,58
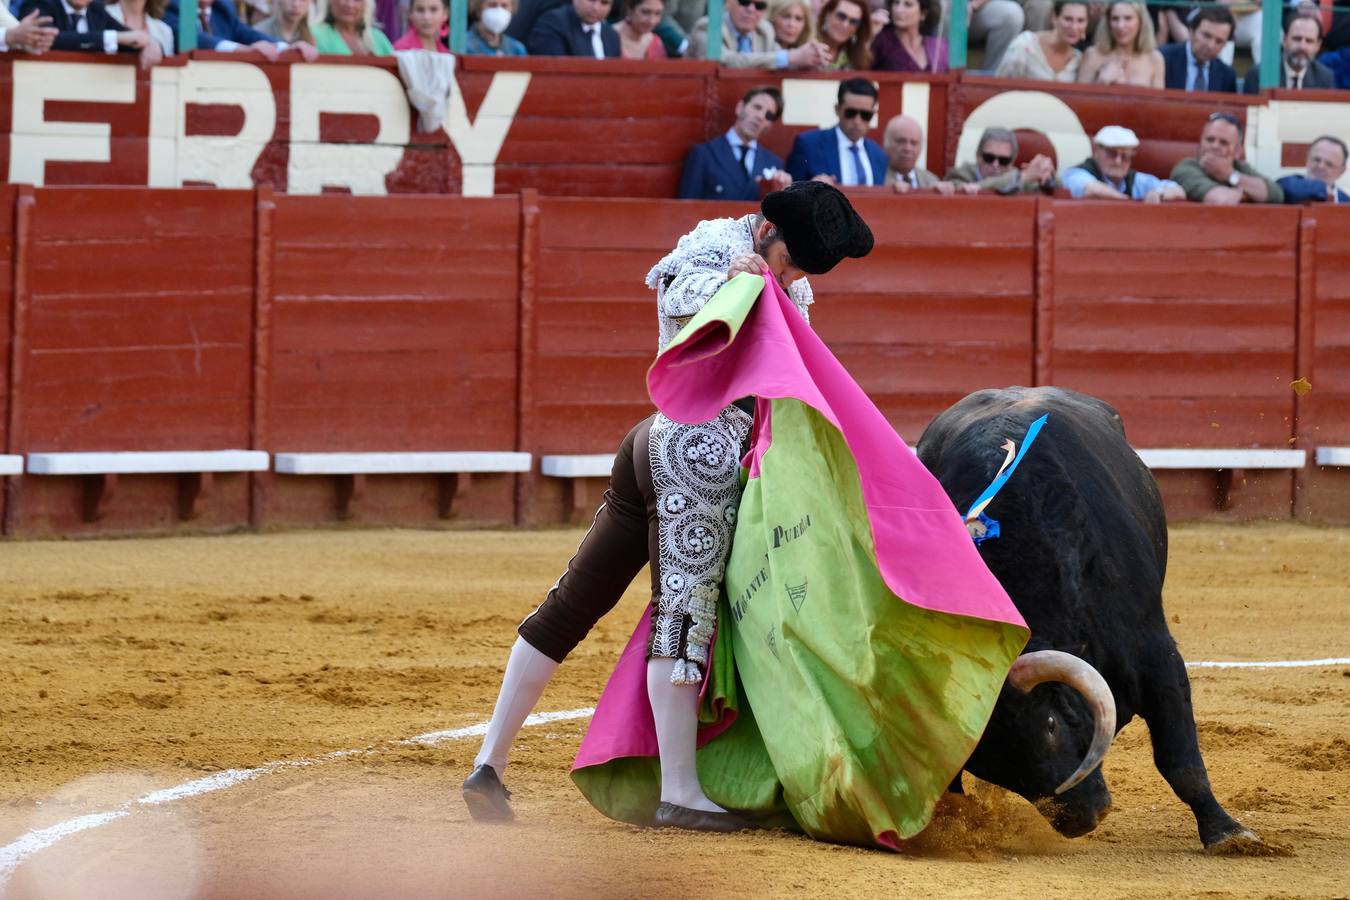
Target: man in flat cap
672,500
1109,174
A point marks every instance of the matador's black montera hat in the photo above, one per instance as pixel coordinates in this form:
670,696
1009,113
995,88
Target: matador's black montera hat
818,224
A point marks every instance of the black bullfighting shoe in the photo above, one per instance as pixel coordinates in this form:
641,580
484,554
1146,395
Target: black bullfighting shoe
668,815
486,797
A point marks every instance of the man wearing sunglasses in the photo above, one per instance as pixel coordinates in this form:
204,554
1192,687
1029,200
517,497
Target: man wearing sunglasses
748,41
1218,174
842,155
732,166
1108,175
993,171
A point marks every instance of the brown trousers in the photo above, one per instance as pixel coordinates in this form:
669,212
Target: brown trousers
621,540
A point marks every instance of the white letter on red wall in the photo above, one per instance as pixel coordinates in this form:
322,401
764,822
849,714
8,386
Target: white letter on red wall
34,140
316,89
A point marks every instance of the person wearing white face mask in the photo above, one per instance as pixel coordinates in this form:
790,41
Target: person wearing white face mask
487,36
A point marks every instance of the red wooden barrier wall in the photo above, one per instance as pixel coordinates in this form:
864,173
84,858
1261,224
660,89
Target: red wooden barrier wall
214,319
1324,412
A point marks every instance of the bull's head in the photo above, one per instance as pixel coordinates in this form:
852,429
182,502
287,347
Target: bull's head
1048,744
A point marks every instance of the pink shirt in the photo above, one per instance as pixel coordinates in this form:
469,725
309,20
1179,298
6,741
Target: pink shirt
411,41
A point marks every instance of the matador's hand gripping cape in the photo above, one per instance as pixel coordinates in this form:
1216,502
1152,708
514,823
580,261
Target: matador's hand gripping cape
862,643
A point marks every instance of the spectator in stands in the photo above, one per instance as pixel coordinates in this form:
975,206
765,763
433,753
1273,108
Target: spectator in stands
1108,175
33,34
734,165
845,27
85,25
1195,65
575,29
1338,61
147,16
903,140
637,39
288,22
993,171
1218,174
842,155
1301,70
910,43
1124,50
427,20
748,41
487,34
793,22
220,28
997,23
1049,55
348,29
1326,166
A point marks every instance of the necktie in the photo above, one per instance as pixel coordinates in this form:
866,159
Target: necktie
1201,79
597,45
743,44
80,24
743,156
204,20
1298,82
858,176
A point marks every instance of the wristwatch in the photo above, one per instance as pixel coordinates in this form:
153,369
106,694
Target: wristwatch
1233,179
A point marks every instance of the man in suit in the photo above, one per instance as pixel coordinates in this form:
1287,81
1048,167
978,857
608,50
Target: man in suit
1194,65
1299,69
731,166
842,155
575,29
85,25
1326,166
748,41
903,139
220,28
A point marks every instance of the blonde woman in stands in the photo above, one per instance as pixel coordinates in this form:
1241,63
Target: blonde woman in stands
1124,50
289,21
845,27
147,16
636,38
487,35
348,29
1049,55
792,22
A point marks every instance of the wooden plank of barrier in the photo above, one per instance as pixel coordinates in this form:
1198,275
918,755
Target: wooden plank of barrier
264,215
527,346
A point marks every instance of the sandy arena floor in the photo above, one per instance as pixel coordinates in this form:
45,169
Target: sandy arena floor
134,666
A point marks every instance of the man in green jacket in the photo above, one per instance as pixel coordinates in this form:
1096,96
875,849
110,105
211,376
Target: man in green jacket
1217,174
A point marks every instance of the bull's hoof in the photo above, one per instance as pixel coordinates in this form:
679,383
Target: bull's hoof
1245,843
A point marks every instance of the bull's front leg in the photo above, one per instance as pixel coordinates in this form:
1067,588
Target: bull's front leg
1176,748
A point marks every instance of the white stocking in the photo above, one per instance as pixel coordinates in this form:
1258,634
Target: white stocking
675,708
527,674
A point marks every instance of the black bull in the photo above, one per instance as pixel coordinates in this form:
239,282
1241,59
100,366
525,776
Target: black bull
1082,553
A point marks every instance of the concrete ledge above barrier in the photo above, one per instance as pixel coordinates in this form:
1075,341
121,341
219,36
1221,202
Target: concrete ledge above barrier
11,464
576,499
454,470
1333,456
1239,458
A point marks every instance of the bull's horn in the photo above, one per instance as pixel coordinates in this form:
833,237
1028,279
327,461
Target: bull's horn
1040,666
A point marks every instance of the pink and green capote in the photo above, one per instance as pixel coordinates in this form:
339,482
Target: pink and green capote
861,641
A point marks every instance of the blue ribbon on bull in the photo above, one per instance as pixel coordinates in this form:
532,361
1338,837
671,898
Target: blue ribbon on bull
981,527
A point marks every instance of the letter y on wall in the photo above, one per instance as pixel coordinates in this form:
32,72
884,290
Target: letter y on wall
478,143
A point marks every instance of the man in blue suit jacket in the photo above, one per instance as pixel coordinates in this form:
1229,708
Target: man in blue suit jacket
842,155
226,30
730,166
575,29
1326,164
1194,65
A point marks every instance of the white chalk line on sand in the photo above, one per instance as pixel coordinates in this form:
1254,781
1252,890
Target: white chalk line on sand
16,852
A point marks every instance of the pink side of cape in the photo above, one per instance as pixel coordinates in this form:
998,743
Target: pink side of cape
923,549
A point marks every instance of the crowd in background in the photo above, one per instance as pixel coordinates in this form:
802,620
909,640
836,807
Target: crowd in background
1097,41
1117,42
